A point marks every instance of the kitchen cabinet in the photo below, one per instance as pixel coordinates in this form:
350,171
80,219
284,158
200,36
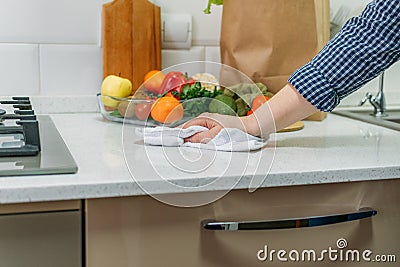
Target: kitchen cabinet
41,234
140,231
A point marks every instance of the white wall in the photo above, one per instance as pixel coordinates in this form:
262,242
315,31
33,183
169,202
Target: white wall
52,47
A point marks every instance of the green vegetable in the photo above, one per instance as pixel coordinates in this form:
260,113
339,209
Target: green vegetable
244,93
223,104
194,107
242,107
212,2
228,92
246,88
116,114
195,90
197,99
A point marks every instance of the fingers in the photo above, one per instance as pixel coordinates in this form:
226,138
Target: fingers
204,137
204,119
195,121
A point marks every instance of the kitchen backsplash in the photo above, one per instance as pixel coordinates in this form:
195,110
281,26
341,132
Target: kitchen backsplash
53,48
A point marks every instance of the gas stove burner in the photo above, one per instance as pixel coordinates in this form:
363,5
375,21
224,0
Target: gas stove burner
25,125
30,144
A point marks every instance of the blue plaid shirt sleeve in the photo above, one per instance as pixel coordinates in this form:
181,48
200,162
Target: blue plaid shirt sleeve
365,46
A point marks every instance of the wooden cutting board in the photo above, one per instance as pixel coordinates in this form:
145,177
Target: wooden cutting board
294,127
131,39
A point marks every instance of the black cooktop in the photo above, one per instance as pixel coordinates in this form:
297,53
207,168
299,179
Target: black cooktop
23,132
30,144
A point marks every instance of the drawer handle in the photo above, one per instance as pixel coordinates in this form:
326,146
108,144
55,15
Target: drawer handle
289,223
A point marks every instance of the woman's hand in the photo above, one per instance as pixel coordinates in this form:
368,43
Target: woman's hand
214,122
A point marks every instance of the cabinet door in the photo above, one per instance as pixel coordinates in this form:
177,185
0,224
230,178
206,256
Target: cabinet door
45,239
139,231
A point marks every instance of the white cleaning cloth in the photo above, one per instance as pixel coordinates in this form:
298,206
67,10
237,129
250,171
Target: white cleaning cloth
228,139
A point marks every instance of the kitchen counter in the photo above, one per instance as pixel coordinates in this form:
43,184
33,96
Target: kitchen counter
334,150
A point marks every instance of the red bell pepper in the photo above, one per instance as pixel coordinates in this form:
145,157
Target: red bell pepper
174,81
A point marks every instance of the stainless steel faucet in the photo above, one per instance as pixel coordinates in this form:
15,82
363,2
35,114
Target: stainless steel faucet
378,101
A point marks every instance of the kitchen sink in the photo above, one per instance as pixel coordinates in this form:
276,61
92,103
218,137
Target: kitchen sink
392,121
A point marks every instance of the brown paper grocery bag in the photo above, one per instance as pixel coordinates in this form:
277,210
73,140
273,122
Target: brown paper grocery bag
269,39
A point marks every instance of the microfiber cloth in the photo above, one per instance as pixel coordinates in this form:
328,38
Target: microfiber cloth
228,139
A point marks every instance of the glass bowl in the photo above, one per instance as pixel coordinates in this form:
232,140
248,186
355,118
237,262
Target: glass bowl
126,110
197,93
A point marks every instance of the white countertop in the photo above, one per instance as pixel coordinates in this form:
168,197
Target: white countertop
335,150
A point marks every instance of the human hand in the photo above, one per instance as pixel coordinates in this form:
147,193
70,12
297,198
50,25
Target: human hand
215,123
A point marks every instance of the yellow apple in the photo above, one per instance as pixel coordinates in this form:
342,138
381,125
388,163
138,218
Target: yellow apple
115,86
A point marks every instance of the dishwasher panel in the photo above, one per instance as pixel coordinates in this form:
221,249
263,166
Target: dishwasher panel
140,231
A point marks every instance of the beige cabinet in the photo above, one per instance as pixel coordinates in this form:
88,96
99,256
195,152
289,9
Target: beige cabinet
140,231
41,234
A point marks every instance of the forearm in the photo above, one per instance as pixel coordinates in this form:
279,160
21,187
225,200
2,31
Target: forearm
285,108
